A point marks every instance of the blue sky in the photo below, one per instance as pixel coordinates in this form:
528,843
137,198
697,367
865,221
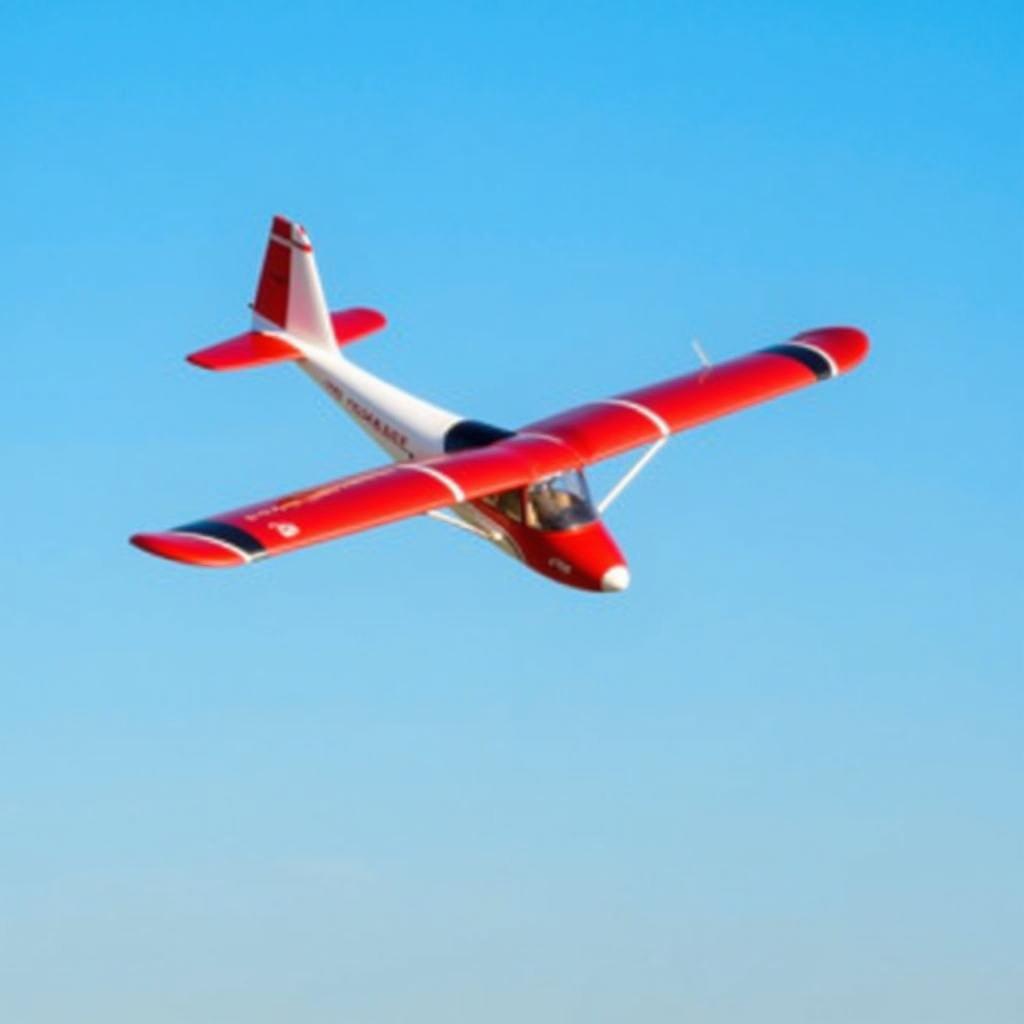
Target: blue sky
397,777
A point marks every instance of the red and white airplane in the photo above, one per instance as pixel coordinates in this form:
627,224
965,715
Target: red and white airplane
523,490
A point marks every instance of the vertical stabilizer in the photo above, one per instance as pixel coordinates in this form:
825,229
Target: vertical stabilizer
289,296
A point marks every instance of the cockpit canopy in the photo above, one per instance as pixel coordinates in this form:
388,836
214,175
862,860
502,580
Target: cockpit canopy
558,502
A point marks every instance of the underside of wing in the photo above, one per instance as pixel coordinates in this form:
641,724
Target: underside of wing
355,503
610,426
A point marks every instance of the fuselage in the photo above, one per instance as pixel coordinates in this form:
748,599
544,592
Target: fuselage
550,526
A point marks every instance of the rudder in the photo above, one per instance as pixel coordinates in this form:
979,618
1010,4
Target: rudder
289,296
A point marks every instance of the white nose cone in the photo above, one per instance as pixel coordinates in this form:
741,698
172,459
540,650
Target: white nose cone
615,579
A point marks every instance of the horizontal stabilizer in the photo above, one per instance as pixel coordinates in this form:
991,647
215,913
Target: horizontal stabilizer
354,324
260,348
254,348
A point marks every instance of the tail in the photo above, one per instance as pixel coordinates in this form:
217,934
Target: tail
289,296
289,313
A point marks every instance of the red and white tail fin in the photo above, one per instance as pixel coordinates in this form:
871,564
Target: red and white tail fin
289,297
289,315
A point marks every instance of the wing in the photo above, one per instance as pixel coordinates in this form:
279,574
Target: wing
356,503
610,426
569,440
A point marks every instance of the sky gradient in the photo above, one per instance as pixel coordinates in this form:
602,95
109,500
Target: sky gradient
398,777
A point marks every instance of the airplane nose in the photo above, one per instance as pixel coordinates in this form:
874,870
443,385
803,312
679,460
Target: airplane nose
615,579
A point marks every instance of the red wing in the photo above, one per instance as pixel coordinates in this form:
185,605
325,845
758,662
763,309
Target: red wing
608,427
571,439
356,503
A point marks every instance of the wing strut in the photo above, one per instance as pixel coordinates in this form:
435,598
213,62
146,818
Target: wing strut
444,517
631,474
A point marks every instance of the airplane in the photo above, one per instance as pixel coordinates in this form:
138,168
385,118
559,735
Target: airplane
523,490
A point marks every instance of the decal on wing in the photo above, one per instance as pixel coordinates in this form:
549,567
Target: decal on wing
356,503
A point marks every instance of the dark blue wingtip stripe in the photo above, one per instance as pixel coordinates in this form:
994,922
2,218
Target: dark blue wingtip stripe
233,535
809,357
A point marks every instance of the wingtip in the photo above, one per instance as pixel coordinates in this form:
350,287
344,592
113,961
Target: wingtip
187,549
847,346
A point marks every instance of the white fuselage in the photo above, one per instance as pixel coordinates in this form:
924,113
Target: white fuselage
405,426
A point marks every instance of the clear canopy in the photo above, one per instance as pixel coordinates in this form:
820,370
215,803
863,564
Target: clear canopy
560,502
